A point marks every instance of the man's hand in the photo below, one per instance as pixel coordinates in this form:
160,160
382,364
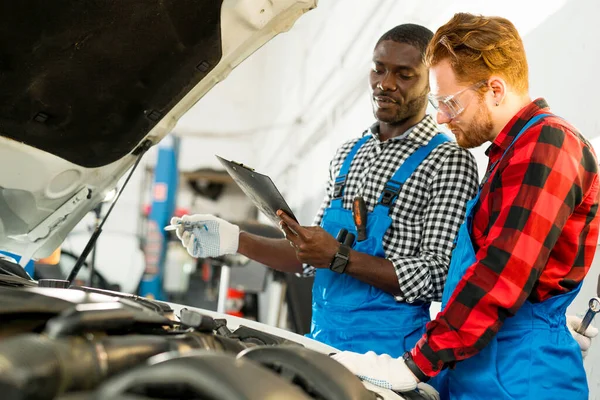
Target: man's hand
384,371
585,340
205,235
314,246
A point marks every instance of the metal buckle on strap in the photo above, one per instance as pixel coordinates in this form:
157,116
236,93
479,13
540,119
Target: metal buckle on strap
338,187
389,194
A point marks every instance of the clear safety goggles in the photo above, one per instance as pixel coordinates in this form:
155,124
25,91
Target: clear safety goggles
451,105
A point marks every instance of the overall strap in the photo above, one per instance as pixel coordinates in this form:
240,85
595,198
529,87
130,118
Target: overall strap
340,181
528,125
394,185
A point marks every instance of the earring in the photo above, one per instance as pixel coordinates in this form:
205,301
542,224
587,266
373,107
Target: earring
497,104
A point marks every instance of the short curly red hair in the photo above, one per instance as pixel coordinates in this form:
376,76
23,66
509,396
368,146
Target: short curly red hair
478,47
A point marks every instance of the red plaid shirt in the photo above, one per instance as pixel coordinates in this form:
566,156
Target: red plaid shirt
535,231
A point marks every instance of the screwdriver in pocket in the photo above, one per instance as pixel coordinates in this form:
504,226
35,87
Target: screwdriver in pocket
359,214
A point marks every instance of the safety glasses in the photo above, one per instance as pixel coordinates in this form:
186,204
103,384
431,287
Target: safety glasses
451,105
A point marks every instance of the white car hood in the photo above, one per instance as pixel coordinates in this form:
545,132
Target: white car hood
86,83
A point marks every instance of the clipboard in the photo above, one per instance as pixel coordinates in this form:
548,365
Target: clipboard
259,188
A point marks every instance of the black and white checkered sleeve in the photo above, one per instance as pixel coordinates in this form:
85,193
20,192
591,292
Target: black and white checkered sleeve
422,277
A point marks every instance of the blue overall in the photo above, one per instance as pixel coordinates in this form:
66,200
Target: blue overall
533,356
347,313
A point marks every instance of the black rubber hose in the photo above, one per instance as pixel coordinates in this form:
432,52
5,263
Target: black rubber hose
38,368
200,375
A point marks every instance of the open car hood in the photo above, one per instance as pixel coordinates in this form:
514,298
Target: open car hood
86,84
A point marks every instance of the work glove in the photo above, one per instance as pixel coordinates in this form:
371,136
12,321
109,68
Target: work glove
585,340
205,235
427,391
384,371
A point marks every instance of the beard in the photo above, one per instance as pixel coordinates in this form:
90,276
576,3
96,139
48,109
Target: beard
478,131
401,112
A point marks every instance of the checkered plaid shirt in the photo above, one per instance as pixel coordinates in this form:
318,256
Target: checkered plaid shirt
535,231
428,211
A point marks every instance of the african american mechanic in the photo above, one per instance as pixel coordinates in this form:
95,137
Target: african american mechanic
415,183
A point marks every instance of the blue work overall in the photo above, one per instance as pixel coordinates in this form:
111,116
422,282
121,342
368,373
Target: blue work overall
347,313
533,356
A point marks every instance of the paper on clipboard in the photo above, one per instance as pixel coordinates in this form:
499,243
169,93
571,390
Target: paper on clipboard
259,188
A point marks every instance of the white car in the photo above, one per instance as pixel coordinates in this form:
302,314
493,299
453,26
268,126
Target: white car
87,88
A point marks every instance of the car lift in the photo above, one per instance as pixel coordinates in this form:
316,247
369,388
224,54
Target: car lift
164,195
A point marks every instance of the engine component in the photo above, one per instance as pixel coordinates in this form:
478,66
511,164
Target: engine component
315,373
200,375
34,367
250,335
108,317
199,322
37,367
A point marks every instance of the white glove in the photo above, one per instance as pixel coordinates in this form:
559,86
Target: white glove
205,235
585,340
384,371
427,391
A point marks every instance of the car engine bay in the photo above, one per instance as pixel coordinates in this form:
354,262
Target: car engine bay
83,343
